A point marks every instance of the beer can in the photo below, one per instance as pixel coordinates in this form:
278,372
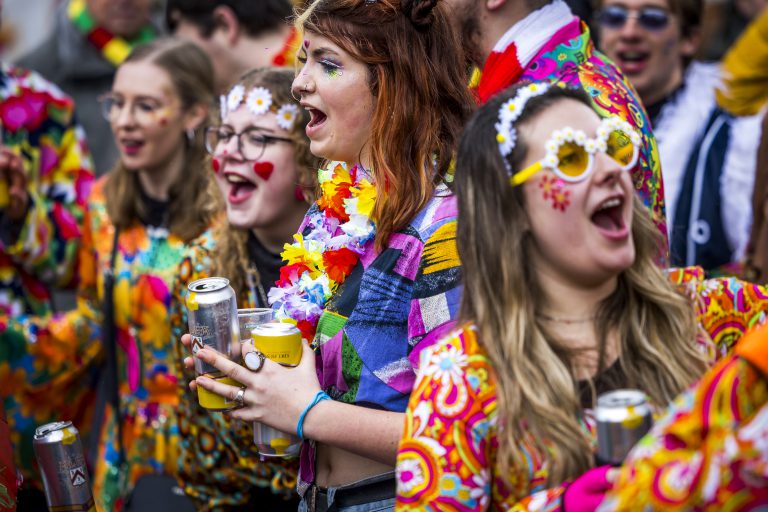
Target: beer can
59,454
212,315
278,341
623,417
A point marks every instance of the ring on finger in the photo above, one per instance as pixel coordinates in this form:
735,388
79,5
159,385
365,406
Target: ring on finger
240,397
254,360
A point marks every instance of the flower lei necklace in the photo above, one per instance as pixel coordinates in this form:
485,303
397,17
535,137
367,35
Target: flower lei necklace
338,233
113,49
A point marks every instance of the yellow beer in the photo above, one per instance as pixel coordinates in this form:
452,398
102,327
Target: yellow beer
278,341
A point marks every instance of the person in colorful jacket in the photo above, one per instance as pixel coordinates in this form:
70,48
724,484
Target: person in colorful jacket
267,175
563,301
373,269
146,214
543,41
46,177
89,40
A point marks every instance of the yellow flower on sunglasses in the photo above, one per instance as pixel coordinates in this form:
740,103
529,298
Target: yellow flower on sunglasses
570,153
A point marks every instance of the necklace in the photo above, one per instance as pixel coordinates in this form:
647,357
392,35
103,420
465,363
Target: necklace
566,320
114,49
337,233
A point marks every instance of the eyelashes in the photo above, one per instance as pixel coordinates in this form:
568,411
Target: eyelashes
332,69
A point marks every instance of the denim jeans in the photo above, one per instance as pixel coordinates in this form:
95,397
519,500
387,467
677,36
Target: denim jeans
329,495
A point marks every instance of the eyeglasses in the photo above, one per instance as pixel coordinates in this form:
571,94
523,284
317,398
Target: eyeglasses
650,18
144,110
251,143
570,154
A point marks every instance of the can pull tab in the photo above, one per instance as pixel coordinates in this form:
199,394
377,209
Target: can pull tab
192,301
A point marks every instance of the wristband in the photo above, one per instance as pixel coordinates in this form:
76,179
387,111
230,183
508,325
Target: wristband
319,397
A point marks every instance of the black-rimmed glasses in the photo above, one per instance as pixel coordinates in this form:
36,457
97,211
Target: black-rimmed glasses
251,143
650,18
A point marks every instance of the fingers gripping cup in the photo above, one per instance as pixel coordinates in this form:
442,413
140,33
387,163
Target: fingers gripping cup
280,342
212,311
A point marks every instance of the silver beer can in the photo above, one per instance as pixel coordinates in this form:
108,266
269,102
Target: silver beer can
212,317
623,417
59,454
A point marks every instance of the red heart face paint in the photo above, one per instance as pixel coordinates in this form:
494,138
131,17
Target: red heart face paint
554,189
263,169
216,165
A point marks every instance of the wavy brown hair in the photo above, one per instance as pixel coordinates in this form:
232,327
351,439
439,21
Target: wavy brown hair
194,200
417,76
537,393
232,260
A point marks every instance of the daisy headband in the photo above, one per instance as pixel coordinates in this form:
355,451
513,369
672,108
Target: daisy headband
258,101
509,112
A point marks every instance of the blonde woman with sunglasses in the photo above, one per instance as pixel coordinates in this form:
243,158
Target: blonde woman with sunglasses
562,301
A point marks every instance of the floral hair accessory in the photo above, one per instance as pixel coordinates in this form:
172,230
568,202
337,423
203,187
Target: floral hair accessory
286,116
258,101
510,111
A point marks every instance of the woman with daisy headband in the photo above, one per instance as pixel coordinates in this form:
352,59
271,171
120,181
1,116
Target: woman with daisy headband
373,270
563,301
261,161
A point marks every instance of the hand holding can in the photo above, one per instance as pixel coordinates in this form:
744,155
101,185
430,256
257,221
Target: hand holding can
213,323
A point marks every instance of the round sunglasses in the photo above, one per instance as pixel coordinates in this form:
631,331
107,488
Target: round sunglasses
650,18
570,154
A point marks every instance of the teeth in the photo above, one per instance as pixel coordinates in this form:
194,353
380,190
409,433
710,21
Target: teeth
234,178
610,203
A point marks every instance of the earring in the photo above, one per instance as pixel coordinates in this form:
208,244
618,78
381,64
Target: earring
298,193
190,133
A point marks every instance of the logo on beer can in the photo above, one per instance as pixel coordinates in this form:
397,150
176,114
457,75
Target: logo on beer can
278,341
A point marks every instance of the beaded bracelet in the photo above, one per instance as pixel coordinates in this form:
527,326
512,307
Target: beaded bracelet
319,397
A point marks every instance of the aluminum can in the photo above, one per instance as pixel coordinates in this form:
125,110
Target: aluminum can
59,454
278,341
623,417
212,315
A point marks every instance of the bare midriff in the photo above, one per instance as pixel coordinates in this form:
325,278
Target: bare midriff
335,467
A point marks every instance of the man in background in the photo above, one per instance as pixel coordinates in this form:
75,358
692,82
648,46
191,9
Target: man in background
238,35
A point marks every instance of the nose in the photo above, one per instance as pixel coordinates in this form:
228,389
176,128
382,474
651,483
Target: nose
302,84
631,28
607,170
125,116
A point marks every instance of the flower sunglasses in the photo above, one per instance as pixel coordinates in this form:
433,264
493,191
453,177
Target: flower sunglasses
650,18
570,154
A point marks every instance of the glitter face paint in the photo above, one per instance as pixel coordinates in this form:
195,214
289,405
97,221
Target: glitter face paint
554,189
263,169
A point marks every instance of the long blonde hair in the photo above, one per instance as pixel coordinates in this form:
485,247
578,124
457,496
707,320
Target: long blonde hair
537,393
194,200
232,259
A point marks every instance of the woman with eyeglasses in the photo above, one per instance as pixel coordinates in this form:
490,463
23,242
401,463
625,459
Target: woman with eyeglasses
267,175
143,218
563,301
372,271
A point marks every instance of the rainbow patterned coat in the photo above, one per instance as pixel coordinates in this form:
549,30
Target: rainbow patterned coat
447,457
47,360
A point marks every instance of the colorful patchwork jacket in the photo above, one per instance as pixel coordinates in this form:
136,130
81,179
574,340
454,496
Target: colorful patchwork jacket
37,123
379,320
447,457
45,361
218,464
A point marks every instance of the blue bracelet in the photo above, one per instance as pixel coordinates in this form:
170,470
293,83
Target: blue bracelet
319,397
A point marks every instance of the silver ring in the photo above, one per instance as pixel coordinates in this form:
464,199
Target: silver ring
254,360
240,397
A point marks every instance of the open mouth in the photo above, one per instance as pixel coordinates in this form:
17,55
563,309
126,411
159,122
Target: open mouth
131,146
317,118
632,61
609,218
240,189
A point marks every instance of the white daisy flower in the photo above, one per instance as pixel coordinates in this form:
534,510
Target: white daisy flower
286,116
235,97
551,161
259,100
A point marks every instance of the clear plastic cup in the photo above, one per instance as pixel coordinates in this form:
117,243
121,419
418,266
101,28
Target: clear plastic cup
249,319
275,443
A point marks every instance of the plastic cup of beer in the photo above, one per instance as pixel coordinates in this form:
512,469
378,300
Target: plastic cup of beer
280,342
250,318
